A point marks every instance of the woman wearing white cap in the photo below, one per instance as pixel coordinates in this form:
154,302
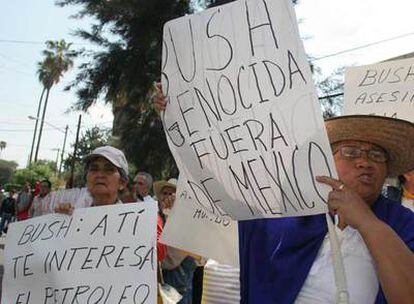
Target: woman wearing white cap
106,175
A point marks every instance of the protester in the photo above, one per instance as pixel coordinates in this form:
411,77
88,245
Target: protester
404,192
288,260
128,194
165,193
107,174
7,210
178,266
24,201
36,190
2,197
41,202
143,184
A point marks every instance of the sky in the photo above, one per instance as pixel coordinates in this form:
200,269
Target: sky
327,27
24,27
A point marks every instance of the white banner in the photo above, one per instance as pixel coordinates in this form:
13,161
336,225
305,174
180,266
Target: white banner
98,255
384,89
242,120
194,229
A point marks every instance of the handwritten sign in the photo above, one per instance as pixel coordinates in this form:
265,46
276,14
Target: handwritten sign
385,89
196,230
242,118
98,255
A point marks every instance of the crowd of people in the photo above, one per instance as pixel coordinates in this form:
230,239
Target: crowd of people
24,204
375,224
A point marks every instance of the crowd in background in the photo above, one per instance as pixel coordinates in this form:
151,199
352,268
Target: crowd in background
107,166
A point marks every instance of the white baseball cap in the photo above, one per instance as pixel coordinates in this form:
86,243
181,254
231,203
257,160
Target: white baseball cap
113,155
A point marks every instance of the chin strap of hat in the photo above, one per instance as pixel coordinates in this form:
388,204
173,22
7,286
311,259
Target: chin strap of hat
342,295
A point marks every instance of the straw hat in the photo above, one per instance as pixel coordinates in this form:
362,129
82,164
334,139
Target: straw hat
395,136
158,185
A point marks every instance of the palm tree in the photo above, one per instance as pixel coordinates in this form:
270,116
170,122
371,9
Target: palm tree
37,121
58,59
3,145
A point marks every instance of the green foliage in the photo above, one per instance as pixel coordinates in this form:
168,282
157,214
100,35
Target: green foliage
58,59
130,33
125,70
37,171
89,141
7,169
16,187
330,91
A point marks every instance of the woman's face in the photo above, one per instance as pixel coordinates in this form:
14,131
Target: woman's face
361,174
103,180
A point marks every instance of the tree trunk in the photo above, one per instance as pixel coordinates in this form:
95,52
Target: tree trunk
41,123
35,129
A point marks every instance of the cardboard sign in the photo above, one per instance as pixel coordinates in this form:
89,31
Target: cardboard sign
98,255
384,89
242,120
194,229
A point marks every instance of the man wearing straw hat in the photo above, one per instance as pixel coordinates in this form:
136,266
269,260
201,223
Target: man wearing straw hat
288,260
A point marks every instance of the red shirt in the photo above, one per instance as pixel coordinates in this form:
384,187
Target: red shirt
161,248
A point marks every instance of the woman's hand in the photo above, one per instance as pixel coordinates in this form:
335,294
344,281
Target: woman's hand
350,207
65,208
158,100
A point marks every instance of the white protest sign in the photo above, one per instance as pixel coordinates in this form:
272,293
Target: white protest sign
384,89
194,229
242,120
98,255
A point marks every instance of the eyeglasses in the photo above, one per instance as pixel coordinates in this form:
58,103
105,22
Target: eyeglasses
375,154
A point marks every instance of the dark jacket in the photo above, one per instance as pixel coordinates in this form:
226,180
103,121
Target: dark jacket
8,206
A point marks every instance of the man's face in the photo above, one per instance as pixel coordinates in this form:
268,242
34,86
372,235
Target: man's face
363,175
141,185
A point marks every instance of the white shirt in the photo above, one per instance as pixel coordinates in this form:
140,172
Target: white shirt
361,275
408,203
221,284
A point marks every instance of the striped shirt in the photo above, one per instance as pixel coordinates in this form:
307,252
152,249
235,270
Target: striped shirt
221,284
